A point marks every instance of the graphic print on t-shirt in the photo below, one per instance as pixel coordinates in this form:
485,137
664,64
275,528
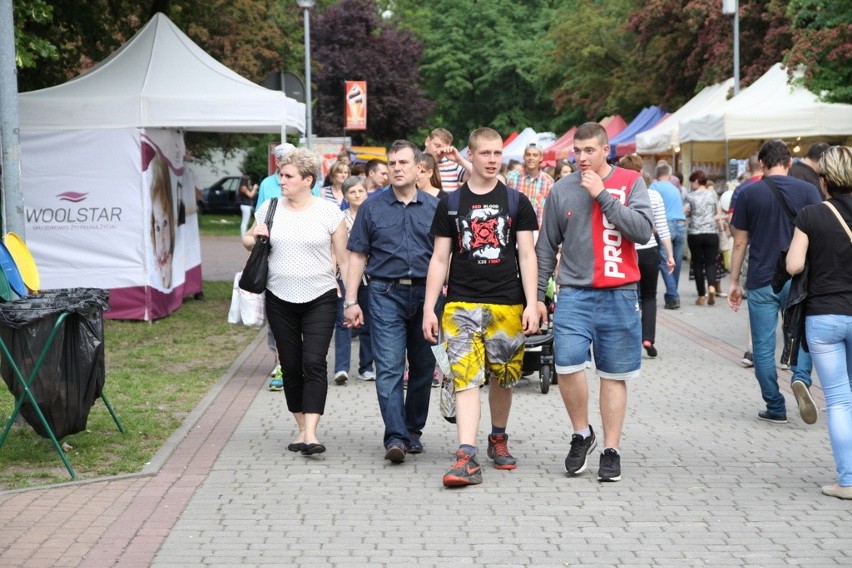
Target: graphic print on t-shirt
484,234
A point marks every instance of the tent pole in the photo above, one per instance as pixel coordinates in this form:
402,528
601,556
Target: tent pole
10,140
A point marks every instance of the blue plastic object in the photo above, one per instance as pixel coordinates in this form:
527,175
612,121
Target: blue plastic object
10,269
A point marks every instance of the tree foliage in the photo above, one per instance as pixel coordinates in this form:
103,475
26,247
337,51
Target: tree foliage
822,42
592,64
480,61
467,63
351,42
31,48
251,37
689,43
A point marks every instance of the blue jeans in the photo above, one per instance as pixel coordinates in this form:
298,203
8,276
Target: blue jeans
605,320
830,342
764,306
677,230
397,331
343,335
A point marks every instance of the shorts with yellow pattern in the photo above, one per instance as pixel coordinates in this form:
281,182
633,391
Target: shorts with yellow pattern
484,338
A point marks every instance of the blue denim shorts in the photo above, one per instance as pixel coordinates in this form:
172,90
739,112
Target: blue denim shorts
606,323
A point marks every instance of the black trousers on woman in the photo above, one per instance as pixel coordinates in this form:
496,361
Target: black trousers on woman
649,271
703,248
302,334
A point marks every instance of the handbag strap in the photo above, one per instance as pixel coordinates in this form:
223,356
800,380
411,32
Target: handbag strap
270,213
843,223
781,200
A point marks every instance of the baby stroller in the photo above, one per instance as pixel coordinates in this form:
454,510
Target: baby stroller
538,354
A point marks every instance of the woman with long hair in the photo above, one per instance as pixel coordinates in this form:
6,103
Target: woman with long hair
429,178
245,197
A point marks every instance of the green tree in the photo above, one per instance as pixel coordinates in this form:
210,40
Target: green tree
29,47
480,62
591,65
351,41
688,44
822,42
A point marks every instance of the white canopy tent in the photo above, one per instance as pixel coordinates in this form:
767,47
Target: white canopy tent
664,137
770,108
515,148
161,79
103,173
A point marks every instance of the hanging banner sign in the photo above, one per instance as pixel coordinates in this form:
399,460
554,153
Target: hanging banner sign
355,106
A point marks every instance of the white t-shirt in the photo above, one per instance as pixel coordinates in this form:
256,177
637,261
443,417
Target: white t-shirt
300,261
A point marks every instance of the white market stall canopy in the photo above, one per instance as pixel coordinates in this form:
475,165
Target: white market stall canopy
161,79
770,108
663,138
515,149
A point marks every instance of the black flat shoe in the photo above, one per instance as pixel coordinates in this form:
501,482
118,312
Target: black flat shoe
311,449
297,447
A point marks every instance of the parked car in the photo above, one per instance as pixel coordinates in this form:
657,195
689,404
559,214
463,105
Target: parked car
221,197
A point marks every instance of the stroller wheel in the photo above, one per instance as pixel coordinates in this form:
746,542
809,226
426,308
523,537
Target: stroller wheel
544,376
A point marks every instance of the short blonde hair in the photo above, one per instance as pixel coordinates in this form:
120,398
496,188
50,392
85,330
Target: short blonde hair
484,133
306,162
836,168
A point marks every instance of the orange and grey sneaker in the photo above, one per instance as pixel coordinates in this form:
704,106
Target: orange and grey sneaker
498,451
466,471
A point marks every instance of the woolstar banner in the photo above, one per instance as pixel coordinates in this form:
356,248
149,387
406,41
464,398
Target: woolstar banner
113,209
355,106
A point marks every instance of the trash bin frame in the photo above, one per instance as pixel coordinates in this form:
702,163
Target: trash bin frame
27,394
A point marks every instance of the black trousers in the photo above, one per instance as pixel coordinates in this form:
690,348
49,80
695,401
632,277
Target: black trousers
704,249
302,335
649,269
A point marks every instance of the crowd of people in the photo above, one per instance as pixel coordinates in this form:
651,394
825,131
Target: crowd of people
434,249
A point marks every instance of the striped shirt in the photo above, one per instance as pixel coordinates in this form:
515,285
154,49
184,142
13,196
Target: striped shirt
660,223
452,174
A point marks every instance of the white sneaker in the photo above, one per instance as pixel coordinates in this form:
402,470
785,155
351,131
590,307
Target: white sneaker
368,376
341,377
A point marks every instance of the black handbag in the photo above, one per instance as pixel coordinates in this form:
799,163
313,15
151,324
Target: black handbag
256,270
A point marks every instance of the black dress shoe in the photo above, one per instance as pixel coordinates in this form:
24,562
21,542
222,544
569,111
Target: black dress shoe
311,449
297,447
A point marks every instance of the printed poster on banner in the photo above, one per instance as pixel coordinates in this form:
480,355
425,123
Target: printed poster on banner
355,106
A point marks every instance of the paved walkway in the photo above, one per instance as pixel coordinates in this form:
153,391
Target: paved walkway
705,483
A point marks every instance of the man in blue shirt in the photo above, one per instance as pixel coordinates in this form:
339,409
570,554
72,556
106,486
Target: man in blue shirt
391,240
677,229
761,223
270,186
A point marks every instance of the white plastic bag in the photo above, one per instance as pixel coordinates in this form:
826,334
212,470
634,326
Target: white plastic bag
447,401
246,308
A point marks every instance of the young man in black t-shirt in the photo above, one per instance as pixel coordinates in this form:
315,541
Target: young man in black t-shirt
484,243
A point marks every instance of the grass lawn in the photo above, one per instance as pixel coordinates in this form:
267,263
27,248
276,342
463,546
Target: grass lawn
156,373
219,224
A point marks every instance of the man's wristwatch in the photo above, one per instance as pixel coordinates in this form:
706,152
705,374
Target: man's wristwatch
349,303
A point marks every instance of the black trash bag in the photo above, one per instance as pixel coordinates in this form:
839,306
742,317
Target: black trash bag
72,373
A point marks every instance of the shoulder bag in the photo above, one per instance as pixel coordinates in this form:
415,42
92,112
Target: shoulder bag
256,270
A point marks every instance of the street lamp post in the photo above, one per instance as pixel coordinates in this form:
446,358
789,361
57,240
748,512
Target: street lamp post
732,8
306,5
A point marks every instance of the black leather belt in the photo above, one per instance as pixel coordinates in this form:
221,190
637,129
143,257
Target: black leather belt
402,281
